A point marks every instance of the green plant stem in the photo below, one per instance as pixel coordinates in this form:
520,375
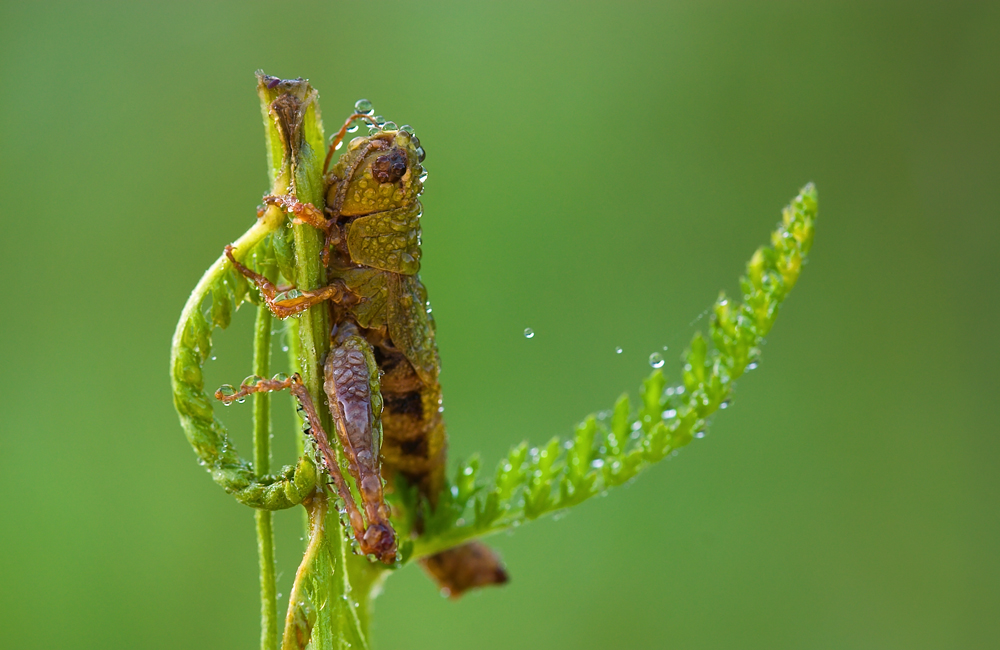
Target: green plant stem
329,603
262,464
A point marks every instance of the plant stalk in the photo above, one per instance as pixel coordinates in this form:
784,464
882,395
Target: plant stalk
262,465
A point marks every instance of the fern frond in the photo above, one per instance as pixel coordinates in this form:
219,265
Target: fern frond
611,448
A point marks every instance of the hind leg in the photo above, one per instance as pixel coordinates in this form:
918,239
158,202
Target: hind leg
315,429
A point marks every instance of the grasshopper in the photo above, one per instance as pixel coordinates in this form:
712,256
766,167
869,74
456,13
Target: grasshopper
381,374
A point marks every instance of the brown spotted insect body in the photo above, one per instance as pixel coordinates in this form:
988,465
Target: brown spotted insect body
381,375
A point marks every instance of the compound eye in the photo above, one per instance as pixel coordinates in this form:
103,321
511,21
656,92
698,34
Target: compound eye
390,167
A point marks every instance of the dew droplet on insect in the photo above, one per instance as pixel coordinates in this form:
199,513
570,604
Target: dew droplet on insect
339,145
390,126
353,128
363,106
618,350
406,128
656,360
355,143
421,154
529,333
402,138
380,120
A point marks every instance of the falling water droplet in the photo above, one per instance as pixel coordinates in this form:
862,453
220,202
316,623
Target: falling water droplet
656,360
529,333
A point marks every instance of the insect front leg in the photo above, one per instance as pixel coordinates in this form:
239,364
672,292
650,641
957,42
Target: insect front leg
284,305
351,384
302,212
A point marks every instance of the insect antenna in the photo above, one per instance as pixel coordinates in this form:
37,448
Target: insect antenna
340,136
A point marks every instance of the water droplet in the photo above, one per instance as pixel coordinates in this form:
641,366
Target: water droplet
279,377
597,463
406,128
214,357
363,106
724,405
284,348
339,145
402,138
379,120
752,365
390,126
699,434
423,177
353,128
656,360
669,413
529,333
618,350
421,154
226,390
355,143
636,425
252,380
679,390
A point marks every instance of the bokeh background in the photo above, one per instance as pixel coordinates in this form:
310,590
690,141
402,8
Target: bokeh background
598,172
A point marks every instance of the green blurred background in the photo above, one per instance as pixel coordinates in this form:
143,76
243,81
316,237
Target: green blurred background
598,171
